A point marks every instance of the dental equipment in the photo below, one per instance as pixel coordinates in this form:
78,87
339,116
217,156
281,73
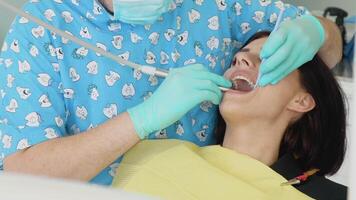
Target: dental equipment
146,69
278,23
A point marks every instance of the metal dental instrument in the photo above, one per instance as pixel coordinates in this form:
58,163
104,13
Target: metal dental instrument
300,179
278,23
146,69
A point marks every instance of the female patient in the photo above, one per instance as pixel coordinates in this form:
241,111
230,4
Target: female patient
293,127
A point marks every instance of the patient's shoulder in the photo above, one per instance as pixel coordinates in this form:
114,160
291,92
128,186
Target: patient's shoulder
319,187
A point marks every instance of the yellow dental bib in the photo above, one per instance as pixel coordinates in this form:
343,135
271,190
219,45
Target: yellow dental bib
173,169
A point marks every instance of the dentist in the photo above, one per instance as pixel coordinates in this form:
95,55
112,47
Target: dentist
70,113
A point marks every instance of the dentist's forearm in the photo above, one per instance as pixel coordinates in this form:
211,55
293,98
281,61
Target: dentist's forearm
79,157
331,51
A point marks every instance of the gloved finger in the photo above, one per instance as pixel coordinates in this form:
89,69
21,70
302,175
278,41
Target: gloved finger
297,63
185,73
215,78
274,42
207,85
309,55
277,58
280,78
195,67
206,95
188,68
280,72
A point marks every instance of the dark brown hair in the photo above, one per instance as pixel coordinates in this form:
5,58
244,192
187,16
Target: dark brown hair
318,138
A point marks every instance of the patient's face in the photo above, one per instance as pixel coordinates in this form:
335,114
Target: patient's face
267,103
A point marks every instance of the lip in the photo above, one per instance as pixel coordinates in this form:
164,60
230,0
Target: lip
238,92
240,96
249,74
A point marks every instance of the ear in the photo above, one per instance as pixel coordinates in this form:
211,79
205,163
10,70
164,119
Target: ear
302,102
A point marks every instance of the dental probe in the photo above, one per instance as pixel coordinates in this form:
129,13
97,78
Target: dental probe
278,23
146,69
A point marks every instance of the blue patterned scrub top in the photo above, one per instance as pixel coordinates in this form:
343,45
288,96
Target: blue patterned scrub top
51,87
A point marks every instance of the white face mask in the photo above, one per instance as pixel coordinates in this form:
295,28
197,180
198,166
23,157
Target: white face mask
140,11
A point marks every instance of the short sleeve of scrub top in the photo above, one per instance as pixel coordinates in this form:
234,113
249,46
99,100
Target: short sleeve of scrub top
52,88
32,106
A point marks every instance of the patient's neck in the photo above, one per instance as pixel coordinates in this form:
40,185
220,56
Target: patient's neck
260,141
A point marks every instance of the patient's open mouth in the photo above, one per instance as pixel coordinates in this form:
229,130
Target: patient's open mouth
242,83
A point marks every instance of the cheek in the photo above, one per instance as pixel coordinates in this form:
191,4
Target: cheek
261,105
276,97
228,72
282,94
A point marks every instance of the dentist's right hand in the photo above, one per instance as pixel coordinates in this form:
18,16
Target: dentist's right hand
183,89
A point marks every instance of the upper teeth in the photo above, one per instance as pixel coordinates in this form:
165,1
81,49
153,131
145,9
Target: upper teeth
239,77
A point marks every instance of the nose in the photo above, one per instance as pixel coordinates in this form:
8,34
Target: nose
242,60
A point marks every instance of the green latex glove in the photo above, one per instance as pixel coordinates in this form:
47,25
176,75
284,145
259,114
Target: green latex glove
183,89
293,44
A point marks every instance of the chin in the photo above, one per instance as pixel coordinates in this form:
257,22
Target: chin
237,102
258,104
231,111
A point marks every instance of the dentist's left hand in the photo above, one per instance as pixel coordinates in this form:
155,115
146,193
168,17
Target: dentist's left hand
293,44
183,89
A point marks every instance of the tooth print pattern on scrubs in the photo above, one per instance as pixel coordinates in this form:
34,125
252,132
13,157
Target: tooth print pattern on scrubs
51,87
